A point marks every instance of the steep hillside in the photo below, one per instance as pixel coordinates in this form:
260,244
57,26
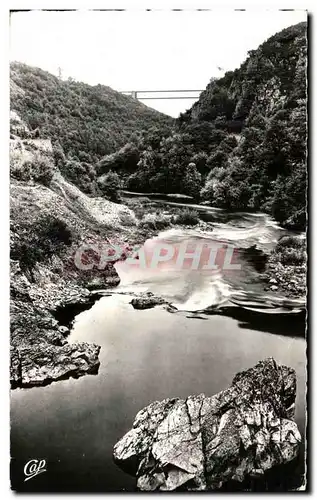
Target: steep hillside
271,76
88,122
242,146
263,105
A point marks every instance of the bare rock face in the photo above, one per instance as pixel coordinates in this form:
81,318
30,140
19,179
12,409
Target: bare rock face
203,443
15,367
50,362
39,352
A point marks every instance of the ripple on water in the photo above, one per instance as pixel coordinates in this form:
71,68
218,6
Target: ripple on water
253,236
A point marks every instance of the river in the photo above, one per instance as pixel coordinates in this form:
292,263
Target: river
221,322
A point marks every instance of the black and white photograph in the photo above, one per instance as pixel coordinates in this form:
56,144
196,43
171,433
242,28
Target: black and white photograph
158,165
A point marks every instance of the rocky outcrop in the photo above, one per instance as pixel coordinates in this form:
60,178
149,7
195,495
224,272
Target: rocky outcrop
42,364
147,300
15,367
206,443
108,279
39,352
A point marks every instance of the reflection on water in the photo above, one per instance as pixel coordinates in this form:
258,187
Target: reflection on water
145,356
151,355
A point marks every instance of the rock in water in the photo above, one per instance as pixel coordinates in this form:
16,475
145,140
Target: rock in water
203,443
147,300
40,366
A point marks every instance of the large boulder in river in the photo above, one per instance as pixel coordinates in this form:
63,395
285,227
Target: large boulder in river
205,443
147,300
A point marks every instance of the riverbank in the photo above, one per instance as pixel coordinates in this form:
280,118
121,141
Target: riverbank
57,237
125,338
48,288
286,268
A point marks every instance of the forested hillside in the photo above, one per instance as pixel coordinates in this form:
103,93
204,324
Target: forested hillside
88,122
243,144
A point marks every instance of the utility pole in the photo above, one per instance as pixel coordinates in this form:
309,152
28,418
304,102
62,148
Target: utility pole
59,73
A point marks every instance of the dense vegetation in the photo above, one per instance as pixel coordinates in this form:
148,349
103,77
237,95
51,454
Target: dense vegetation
109,184
39,241
37,169
243,144
84,122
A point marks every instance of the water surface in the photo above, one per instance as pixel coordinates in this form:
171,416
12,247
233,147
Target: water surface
155,354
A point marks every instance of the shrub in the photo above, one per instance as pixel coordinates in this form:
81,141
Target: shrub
200,160
191,181
58,155
42,170
292,257
39,169
126,219
19,170
290,242
81,174
141,206
40,240
207,192
217,160
291,251
155,222
126,159
187,216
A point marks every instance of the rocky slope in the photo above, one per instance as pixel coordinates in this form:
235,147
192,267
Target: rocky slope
50,223
208,443
284,269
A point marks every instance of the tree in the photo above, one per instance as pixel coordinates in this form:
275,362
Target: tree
124,160
200,160
191,183
109,185
81,174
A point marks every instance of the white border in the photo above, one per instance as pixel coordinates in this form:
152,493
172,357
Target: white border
4,198
159,4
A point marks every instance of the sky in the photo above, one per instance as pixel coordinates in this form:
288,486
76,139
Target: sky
139,50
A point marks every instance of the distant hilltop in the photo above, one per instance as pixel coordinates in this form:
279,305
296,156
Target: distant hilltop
89,122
